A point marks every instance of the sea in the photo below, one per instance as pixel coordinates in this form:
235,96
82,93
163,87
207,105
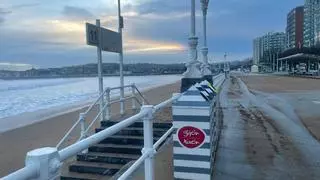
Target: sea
21,96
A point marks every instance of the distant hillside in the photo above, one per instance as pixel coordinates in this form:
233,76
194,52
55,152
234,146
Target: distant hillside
90,70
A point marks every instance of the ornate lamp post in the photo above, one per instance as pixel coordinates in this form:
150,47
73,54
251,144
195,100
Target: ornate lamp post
193,66
205,66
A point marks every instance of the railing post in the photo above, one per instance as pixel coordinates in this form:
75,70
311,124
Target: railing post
108,110
143,101
148,142
133,86
83,128
121,106
47,160
82,118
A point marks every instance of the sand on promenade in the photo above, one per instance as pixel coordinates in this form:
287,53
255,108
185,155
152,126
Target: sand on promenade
280,84
303,94
16,143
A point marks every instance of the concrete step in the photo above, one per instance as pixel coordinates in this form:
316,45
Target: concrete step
117,148
105,159
95,168
110,158
130,140
138,124
82,176
137,131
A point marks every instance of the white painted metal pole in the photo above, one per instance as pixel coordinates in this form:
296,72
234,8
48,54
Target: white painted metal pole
205,29
205,68
108,112
121,61
193,18
100,77
148,143
83,128
133,96
82,119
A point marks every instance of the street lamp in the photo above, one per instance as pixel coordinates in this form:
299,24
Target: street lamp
193,66
205,66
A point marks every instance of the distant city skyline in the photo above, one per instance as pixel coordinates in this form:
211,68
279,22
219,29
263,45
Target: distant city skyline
51,34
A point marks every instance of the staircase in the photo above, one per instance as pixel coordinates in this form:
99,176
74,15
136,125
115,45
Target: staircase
105,159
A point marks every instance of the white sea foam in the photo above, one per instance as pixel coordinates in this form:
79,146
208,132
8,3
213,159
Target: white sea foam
21,96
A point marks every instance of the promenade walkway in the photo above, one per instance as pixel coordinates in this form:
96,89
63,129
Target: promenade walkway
259,141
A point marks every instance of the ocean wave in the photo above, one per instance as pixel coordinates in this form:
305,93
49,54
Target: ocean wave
25,85
32,95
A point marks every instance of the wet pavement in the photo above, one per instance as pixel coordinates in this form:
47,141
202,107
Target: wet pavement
263,137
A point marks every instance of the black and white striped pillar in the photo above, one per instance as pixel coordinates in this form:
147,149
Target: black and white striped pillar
191,120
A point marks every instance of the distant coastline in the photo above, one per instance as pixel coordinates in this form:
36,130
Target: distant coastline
112,70
81,76
90,70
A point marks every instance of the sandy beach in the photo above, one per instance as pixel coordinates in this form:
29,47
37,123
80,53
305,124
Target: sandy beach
17,142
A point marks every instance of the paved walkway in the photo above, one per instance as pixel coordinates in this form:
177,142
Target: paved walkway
258,141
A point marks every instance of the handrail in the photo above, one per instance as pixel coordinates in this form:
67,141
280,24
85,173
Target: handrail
82,116
99,114
164,137
144,156
68,133
165,103
119,87
141,95
95,102
96,138
27,172
80,119
92,122
44,164
30,171
133,167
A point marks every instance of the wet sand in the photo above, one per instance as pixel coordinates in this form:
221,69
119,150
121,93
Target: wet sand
16,143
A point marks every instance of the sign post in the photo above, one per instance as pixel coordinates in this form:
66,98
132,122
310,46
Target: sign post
100,77
121,61
104,40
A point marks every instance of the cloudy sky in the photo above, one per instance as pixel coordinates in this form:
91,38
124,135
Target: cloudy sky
47,33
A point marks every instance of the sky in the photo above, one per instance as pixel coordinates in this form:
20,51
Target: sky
46,33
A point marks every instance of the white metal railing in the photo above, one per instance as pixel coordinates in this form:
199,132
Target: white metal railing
45,163
105,112
144,156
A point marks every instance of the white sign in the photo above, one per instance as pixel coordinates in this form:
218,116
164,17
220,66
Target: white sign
111,41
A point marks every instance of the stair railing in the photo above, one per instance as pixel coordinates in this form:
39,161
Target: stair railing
105,112
45,163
